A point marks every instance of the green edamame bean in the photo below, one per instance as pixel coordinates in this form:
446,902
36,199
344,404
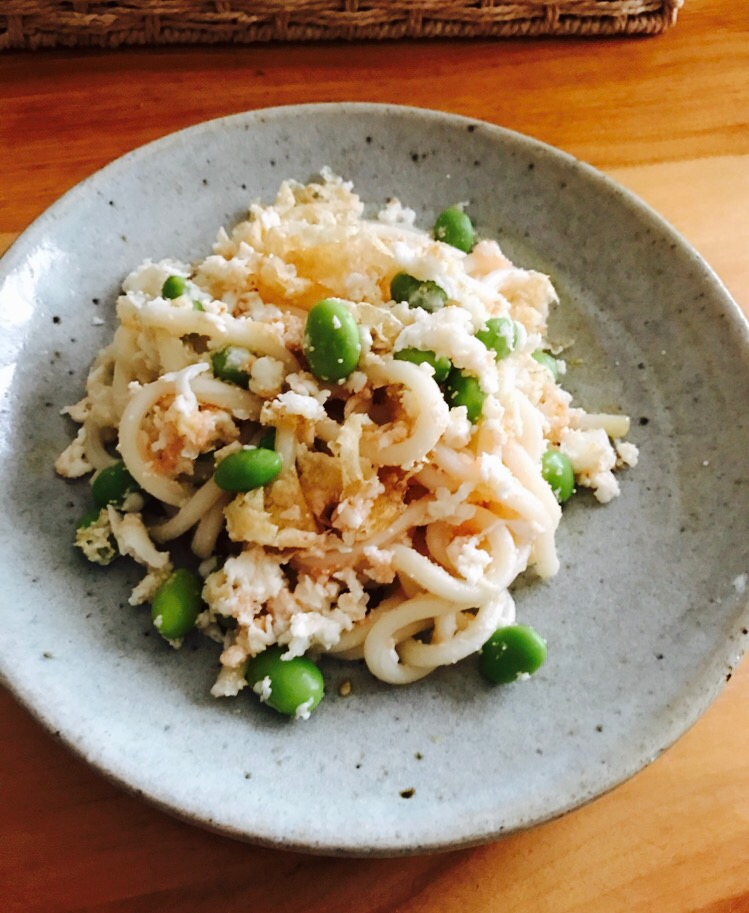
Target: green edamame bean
499,334
455,228
331,340
293,683
440,365
556,469
511,652
464,390
429,296
89,518
177,604
402,286
268,440
173,287
230,364
547,361
112,485
245,470
426,294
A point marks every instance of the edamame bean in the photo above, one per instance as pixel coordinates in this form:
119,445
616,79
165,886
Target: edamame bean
556,469
499,334
464,390
331,340
425,294
173,287
112,485
512,652
455,228
440,365
294,685
177,604
89,518
244,470
229,364
268,440
402,285
429,296
547,361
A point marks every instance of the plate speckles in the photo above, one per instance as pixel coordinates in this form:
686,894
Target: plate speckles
602,707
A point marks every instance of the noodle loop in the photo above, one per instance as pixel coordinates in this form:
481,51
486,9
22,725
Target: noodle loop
403,508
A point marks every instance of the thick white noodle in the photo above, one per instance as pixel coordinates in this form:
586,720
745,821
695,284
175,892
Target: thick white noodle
207,390
124,349
445,627
458,465
259,338
357,652
512,496
353,640
214,392
531,434
96,452
435,579
173,356
529,475
615,426
380,652
498,609
432,479
189,514
438,536
208,529
425,404
164,489
409,587
495,613
346,556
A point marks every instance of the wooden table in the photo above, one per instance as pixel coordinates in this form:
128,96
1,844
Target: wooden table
668,117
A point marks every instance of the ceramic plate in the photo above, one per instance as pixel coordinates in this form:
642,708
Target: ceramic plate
644,621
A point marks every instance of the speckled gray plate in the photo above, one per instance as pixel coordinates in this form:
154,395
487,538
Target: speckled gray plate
644,621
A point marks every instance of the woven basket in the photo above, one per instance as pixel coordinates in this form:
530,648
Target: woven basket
109,23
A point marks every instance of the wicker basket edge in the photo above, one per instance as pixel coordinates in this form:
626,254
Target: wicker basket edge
37,24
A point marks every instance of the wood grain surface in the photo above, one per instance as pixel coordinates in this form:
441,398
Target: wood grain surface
669,118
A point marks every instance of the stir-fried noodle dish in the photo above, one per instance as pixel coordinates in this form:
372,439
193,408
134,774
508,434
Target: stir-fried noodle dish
357,425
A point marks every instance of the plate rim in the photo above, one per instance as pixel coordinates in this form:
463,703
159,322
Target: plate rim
732,650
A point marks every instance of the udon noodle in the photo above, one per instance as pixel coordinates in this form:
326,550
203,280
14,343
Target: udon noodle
396,525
